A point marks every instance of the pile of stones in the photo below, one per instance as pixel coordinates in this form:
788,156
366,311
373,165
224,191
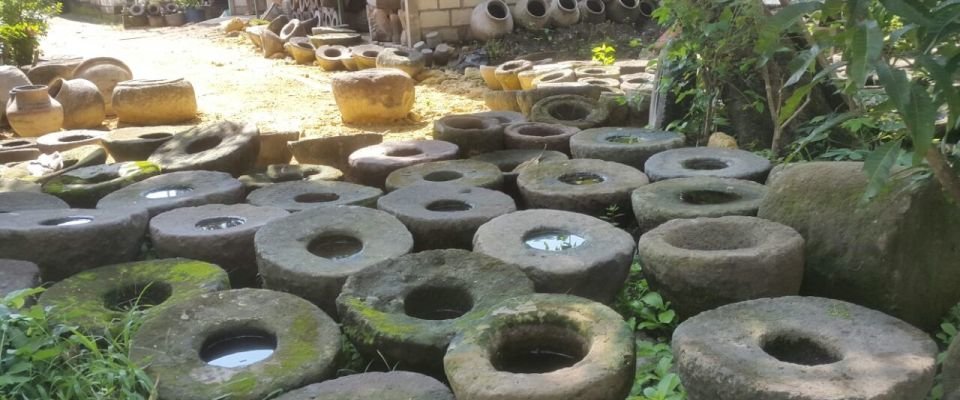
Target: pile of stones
477,265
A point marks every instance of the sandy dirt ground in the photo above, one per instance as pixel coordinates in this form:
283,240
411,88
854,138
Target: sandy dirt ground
234,82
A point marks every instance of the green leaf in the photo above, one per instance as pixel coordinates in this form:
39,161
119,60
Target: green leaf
804,62
653,299
865,46
908,10
878,165
948,328
943,84
666,317
793,102
914,105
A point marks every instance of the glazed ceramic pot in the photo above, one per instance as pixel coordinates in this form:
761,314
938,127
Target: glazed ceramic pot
10,77
531,14
83,105
105,72
490,19
563,13
31,112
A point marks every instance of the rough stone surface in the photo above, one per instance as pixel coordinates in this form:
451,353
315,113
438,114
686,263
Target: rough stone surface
703,263
594,266
215,233
155,101
137,143
445,216
66,140
106,237
452,172
313,252
17,275
559,323
98,299
472,134
84,187
174,190
307,343
509,160
725,354
570,110
707,161
274,148
371,165
579,185
394,385
696,197
539,136
299,196
896,253
225,146
374,95
21,201
407,309
630,146
333,151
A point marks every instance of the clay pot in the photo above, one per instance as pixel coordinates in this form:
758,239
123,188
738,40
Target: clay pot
532,14
302,52
490,19
623,11
563,12
647,7
155,101
270,43
10,77
291,30
277,24
44,73
253,33
105,72
332,57
592,11
31,112
488,73
366,55
507,73
175,19
83,105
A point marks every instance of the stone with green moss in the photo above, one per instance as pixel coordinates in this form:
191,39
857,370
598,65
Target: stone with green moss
176,345
896,253
407,309
394,385
97,300
84,187
542,347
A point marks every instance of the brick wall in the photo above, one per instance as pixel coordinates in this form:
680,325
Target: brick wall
449,17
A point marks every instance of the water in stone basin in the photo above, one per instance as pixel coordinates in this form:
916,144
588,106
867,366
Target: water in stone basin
238,351
554,241
167,193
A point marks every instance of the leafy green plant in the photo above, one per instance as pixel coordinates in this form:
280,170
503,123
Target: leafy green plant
40,359
605,54
643,308
22,24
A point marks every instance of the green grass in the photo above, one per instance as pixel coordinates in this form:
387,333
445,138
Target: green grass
40,359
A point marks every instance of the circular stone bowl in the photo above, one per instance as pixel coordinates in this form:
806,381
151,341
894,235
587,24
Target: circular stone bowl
696,197
630,146
543,347
579,185
174,190
802,348
561,251
453,172
371,165
407,309
313,252
98,300
304,195
707,161
683,260
245,343
138,143
394,385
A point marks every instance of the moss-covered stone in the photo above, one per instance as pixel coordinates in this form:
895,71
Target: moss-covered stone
96,300
897,253
84,187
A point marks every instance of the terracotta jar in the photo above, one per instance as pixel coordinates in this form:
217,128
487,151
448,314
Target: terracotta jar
31,112
10,77
531,14
83,105
105,72
563,13
490,19
592,11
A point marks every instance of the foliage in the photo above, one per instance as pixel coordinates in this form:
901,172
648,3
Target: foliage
188,3
40,359
605,54
647,313
22,24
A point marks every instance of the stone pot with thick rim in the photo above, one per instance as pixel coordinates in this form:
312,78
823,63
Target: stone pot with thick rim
623,11
563,13
592,11
10,77
31,112
531,14
106,73
83,105
490,19
155,101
